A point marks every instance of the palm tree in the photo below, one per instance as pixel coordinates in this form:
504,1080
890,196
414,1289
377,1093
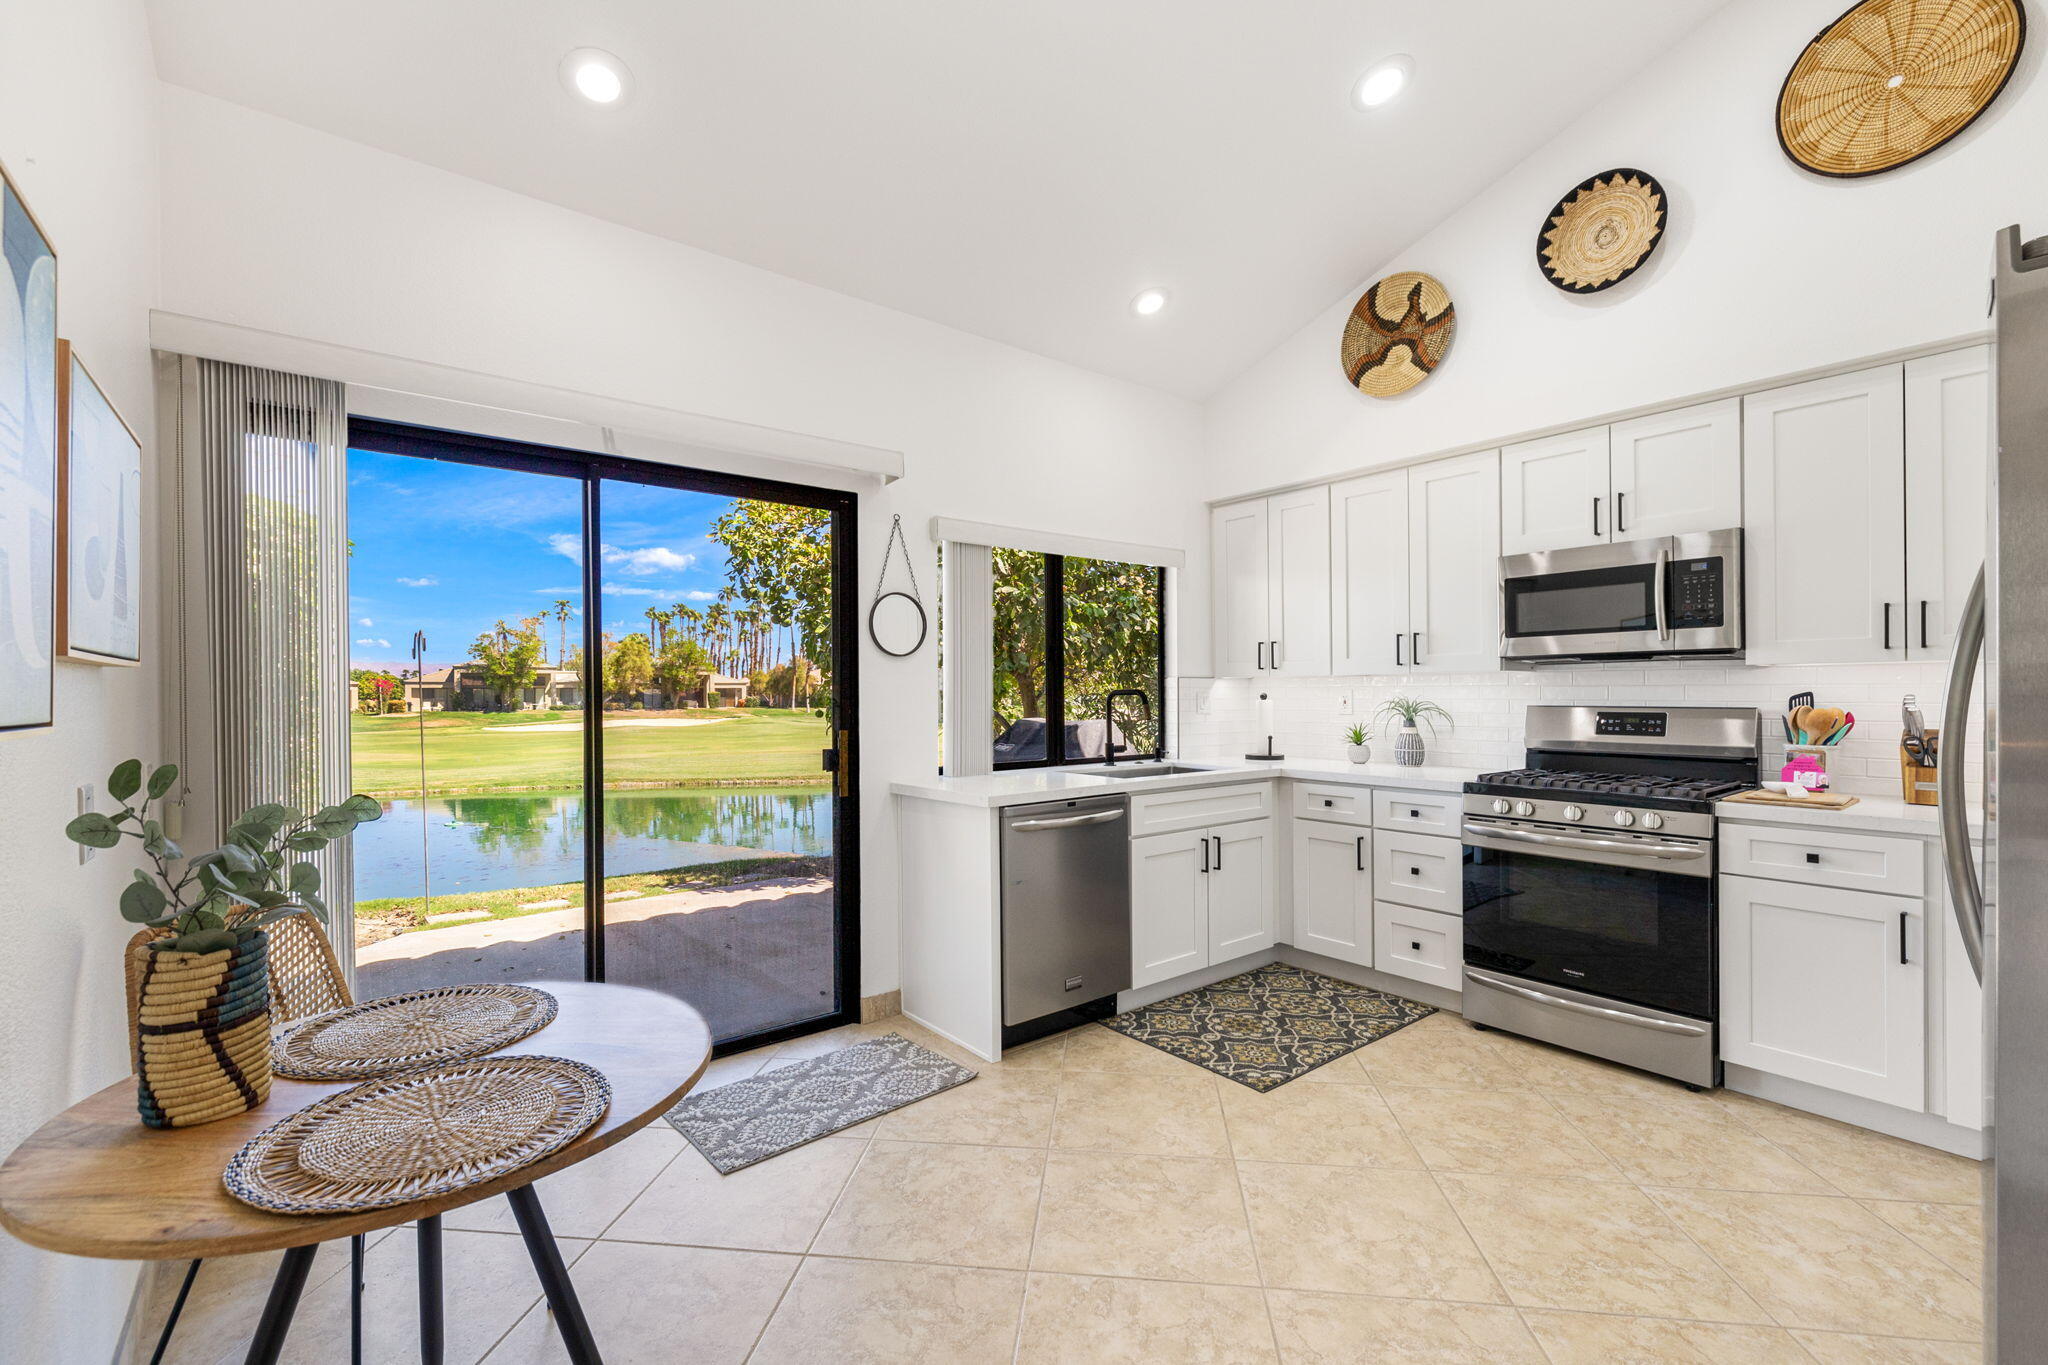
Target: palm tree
653,615
715,620
562,606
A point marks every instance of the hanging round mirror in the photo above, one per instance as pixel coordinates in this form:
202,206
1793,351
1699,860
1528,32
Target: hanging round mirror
896,619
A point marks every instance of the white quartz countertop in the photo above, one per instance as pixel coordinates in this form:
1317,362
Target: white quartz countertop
1047,784
1870,815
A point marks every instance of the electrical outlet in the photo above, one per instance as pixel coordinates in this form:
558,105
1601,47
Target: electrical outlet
1343,703
85,797
1202,702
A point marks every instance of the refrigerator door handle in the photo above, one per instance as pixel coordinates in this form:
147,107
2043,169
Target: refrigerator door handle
1965,892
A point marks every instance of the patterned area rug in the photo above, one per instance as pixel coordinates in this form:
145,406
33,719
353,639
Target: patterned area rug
737,1125
1270,1025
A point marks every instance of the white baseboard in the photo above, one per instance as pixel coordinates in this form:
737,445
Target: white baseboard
954,1040
1926,1129
1371,977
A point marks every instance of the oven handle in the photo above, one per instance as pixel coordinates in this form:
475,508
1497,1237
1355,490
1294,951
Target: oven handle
1675,852
1663,581
1559,1002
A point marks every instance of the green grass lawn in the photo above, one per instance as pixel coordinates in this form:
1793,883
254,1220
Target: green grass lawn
407,914
466,752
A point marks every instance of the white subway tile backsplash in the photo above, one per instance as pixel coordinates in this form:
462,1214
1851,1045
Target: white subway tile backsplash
1487,709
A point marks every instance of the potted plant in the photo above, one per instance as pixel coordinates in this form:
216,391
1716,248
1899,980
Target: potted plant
1359,739
198,969
1411,711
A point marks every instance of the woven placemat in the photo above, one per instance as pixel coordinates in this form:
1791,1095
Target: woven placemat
425,1133
380,1037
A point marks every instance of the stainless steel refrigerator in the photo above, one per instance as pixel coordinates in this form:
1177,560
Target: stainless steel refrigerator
2004,916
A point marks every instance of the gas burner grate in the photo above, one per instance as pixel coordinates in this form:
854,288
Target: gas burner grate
1643,785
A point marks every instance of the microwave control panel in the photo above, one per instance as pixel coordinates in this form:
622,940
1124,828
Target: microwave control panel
1695,594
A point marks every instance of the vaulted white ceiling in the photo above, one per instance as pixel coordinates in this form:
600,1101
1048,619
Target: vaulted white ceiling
1016,170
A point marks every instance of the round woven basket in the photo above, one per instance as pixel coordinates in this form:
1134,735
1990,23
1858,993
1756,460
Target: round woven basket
379,1037
1602,232
417,1135
1399,331
200,1030
1891,80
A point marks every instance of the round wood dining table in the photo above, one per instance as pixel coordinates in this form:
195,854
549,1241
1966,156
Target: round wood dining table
93,1181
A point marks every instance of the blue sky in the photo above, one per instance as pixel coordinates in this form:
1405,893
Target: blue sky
450,549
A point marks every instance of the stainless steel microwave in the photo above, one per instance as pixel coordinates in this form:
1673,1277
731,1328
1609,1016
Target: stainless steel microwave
1636,599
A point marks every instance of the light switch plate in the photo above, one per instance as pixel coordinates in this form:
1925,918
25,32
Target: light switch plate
1343,703
1202,701
85,798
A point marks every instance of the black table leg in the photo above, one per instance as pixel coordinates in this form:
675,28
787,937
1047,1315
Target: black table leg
432,1334
268,1343
554,1276
163,1343
355,1299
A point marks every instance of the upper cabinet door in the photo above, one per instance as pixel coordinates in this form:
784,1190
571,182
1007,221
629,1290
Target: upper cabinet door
1237,540
1369,574
1553,493
1948,452
1298,582
1824,493
1678,472
1454,564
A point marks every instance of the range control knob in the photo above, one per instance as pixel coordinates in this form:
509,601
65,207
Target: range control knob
1652,820
1574,813
1524,808
1501,805
1623,817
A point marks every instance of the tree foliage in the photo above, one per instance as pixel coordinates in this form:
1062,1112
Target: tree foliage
779,559
1111,638
508,658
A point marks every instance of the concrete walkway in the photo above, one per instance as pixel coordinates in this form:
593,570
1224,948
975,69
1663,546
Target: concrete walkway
747,957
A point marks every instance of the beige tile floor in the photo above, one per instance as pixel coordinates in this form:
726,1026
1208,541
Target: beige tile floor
1443,1195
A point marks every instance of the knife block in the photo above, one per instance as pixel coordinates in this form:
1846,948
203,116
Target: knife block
1917,780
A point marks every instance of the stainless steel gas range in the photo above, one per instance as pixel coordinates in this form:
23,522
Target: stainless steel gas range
1589,882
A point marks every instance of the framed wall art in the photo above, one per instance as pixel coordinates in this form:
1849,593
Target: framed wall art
99,522
28,465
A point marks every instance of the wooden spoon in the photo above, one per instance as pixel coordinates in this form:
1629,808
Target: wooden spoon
1821,722
1799,723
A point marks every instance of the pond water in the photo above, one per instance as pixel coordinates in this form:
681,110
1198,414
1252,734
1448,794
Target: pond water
493,842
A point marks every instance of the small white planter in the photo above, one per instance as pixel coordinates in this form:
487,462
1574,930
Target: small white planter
1360,753
1408,750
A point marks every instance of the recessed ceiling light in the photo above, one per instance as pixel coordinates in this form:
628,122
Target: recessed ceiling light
1148,302
596,75
1383,81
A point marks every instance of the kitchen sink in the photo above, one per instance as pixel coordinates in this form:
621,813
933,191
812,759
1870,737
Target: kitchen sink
1144,770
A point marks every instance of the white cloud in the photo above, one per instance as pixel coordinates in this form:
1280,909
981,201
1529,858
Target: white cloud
419,582
366,621
569,547
652,559
381,644
699,595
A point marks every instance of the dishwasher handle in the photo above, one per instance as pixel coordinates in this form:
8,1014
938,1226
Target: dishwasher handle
1101,817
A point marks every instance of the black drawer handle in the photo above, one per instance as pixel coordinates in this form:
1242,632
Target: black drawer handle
1813,857
1417,947
1902,939
1415,872
1360,842
1328,802
1414,815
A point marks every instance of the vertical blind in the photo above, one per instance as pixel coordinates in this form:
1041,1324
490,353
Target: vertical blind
260,696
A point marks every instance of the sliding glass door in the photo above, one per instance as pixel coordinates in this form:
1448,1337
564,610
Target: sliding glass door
656,792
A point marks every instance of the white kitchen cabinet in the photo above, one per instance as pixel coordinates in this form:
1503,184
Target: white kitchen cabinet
1959,1095
1200,896
1242,569
1169,905
1677,473
1824,508
1948,451
1422,945
1333,891
1298,582
1453,559
1243,871
1369,574
1554,493
1825,986
1419,870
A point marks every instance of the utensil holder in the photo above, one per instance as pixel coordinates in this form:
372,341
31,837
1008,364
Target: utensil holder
1918,785
1807,766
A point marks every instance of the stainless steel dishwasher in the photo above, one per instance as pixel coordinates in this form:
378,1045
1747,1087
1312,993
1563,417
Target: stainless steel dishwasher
1066,869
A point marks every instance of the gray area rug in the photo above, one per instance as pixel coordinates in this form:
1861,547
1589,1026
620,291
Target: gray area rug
737,1125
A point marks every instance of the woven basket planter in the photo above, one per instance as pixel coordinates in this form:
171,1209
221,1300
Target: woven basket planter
199,1026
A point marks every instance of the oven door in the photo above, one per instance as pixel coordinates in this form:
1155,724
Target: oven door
1668,595
1632,921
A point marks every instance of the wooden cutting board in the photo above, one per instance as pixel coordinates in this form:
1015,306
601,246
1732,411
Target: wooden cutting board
1817,800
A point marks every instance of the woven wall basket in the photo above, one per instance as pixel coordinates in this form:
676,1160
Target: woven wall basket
1891,80
199,1025
1602,232
1399,331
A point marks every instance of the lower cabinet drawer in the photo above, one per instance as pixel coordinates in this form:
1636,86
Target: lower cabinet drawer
1825,857
1327,801
1186,808
1419,870
1438,813
1422,945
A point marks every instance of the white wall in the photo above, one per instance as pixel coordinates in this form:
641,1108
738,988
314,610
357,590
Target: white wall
270,225
1765,269
76,113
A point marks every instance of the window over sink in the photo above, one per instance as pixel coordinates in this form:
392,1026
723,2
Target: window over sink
1071,636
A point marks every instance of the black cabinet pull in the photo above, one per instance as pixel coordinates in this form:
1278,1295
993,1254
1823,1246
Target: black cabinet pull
1923,623
1813,857
1415,872
1887,625
1415,648
1902,939
1361,852
1596,516
1397,649
1219,853
1414,945
1276,654
1205,853
1414,815
1262,655
1620,512
1328,802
